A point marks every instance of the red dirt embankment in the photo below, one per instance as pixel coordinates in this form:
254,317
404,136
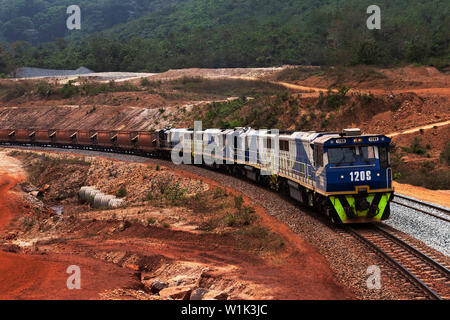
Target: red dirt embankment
19,273
44,276
111,257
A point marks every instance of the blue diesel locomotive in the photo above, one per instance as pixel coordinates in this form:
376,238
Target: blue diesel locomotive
345,175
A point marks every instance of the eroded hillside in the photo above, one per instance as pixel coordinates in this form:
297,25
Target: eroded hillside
297,98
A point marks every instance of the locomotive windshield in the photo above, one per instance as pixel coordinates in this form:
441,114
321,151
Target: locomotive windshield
351,154
367,153
341,155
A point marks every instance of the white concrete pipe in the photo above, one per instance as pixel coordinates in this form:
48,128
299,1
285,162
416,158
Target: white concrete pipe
116,203
83,191
105,201
90,195
98,199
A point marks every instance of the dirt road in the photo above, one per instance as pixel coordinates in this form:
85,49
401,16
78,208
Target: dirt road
417,129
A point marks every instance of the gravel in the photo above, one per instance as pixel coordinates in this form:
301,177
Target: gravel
35,73
432,231
27,72
348,258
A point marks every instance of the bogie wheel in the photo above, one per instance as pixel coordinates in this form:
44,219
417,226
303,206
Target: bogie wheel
333,216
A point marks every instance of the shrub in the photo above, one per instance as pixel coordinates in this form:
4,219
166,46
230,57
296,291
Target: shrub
45,89
210,224
365,99
445,154
174,194
28,222
416,147
16,90
427,175
122,192
244,217
68,90
238,202
219,193
149,196
200,203
145,82
335,100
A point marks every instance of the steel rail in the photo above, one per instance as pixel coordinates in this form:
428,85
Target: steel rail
421,210
429,292
423,203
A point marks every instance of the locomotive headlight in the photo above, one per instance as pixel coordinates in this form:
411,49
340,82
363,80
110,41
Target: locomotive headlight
378,174
342,177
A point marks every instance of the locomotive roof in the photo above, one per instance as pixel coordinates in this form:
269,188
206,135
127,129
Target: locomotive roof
338,139
304,136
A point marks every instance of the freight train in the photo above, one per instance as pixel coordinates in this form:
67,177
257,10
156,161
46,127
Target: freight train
344,175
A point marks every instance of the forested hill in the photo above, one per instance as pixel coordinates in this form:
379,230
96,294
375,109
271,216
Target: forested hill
40,21
146,35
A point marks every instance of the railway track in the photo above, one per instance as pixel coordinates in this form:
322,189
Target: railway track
440,212
430,278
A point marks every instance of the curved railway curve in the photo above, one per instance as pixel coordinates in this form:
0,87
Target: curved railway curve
431,278
427,283
439,212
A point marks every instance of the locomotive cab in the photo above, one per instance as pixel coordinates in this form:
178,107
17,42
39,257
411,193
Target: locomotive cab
354,172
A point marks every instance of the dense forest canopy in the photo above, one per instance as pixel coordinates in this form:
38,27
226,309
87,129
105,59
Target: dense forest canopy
38,21
155,35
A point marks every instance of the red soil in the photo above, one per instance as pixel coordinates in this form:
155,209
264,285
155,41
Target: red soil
44,276
6,183
304,273
301,272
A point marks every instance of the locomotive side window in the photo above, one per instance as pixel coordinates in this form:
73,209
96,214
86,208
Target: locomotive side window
284,145
318,156
384,157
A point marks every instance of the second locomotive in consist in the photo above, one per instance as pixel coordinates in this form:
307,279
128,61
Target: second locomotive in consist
345,175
